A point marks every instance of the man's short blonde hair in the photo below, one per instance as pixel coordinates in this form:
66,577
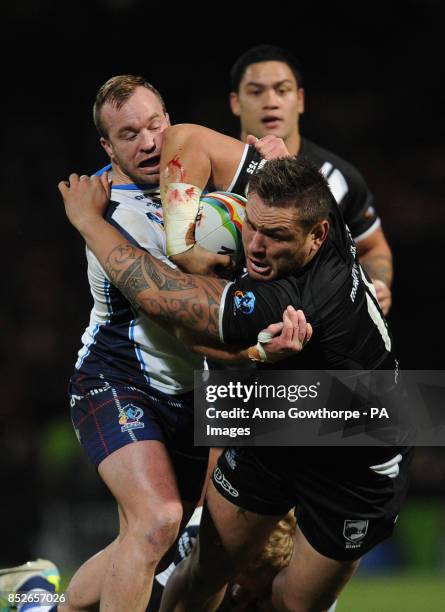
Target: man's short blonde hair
278,550
116,91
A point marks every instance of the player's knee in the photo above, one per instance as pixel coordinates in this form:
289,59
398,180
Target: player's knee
158,531
288,597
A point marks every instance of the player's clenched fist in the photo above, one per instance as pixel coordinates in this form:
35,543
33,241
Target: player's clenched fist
269,147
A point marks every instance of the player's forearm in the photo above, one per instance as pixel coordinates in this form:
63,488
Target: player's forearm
153,286
378,265
203,345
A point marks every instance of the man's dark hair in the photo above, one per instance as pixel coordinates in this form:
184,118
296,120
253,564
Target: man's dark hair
296,183
264,53
117,91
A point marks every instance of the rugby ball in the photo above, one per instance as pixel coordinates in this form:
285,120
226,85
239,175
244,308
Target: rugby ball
219,223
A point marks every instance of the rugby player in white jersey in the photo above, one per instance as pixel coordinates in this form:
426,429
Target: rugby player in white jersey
131,392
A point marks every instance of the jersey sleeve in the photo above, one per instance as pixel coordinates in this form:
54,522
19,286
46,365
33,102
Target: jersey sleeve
248,306
358,207
250,162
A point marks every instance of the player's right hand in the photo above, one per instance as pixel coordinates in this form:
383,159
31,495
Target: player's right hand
198,260
85,198
383,295
287,337
269,147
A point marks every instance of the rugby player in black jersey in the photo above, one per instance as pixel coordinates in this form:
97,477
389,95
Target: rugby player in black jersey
298,253
268,97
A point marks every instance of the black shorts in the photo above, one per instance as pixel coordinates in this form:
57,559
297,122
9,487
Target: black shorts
343,506
107,418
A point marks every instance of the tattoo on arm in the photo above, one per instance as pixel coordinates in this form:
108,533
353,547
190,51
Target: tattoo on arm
162,291
379,267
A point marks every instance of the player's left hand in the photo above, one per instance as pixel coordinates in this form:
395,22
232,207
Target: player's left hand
287,337
269,147
85,198
383,295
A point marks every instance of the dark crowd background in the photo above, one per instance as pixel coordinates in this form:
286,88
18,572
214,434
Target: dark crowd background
374,95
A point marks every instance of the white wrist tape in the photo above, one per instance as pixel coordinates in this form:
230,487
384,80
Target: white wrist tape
180,204
260,355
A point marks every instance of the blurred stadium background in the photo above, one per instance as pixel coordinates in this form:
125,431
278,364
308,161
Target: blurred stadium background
375,95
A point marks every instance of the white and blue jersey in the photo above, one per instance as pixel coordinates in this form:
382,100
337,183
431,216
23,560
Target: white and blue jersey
122,346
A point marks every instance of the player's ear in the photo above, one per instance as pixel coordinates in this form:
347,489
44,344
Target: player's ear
107,146
319,233
234,103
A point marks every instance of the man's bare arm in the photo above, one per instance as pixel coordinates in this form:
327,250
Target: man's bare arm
148,283
376,258
156,288
278,341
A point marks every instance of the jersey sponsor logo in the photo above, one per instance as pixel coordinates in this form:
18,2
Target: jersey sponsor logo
254,166
354,532
355,282
154,217
155,203
245,302
131,418
224,483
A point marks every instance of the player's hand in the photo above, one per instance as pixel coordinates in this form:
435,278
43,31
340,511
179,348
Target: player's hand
269,147
287,337
383,295
85,198
198,260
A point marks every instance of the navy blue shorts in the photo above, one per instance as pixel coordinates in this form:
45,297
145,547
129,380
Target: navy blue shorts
108,417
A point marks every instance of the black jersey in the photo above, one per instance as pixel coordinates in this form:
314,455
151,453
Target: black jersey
348,188
346,183
337,298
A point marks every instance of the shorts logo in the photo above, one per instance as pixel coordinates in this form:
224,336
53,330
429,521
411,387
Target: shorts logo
130,418
355,531
244,301
224,483
230,455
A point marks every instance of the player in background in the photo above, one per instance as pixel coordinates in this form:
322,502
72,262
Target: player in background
268,97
